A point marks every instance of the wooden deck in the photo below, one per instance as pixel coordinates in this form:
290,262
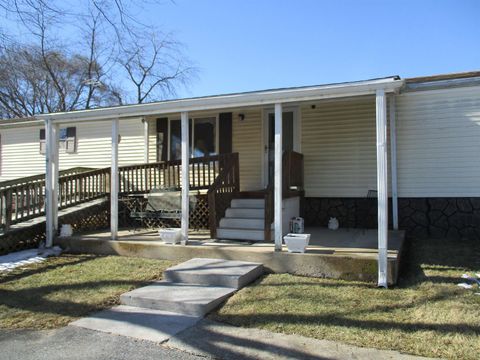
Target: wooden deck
343,254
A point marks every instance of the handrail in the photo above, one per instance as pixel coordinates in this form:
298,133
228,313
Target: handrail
142,178
41,177
25,199
220,194
292,185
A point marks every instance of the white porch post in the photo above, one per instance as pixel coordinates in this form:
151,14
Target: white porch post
393,159
49,231
114,181
278,178
56,165
185,176
146,142
51,181
382,187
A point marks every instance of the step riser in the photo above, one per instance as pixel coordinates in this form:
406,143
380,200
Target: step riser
256,224
240,234
235,282
248,203
245,213
172,306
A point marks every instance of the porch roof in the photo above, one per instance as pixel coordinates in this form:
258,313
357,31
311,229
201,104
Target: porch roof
245,99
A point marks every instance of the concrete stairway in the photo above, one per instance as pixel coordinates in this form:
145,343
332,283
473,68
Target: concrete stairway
190,290
244,220
194,287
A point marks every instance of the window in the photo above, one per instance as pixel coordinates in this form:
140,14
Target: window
202,136
66,140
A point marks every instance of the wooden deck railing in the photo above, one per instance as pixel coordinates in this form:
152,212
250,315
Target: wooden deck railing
86,186
292,185
220,194
41,177
144,177
24,198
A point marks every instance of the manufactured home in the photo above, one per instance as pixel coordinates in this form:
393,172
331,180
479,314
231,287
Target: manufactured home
386,154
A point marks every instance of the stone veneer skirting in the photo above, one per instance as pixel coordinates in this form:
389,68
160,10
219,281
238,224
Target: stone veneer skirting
420,217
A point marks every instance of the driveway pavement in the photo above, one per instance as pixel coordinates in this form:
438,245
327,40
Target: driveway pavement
74,343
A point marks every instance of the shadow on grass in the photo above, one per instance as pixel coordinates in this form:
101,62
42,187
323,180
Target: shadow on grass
33,269
35,299
437,257
338,320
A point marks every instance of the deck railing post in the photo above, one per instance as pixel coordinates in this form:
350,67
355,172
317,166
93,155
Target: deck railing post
7,210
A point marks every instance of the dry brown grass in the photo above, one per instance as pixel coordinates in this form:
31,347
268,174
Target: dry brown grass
62,289
427,314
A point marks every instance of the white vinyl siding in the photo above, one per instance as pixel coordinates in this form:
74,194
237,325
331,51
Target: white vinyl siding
338,143
21,148
247,141
439,143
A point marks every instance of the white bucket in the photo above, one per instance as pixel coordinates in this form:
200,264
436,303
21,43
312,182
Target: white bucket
170,235
296,243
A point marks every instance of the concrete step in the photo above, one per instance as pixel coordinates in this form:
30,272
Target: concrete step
187,299
245,213
216,272
242,223
139,323
241,234
248,203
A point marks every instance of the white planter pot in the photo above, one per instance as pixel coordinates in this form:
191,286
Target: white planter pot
296,243
170,235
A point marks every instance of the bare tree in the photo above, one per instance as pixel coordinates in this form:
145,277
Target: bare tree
155,68
27,87
115,60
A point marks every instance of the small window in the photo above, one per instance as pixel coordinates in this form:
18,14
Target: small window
42,141
66,140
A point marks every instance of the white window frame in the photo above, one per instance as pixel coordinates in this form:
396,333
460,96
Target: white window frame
203,116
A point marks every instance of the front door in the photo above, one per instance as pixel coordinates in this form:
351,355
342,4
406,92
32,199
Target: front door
288,121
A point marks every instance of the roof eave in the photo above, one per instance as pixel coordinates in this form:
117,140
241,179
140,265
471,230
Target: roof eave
389,85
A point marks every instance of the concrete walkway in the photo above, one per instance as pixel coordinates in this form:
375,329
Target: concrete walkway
163,309
170,313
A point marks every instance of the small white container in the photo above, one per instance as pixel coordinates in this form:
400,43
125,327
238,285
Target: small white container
296,243
297,225
170,235
66,230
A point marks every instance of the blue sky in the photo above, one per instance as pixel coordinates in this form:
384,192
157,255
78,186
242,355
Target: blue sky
242,45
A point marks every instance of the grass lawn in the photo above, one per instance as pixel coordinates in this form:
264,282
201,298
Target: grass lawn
426,314
62,289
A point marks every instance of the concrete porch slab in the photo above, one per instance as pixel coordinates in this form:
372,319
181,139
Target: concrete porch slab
139,323
219,272
347,254
189,299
